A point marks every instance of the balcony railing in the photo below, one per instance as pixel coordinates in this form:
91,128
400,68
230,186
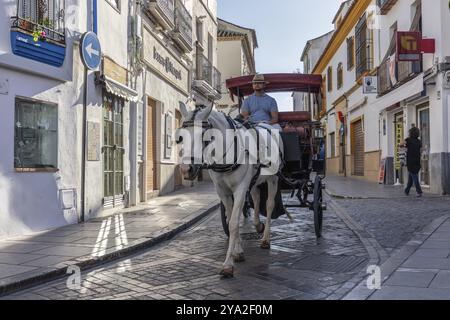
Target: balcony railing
163,11
207,72
43,17
404,71
183,26
46,32
386,5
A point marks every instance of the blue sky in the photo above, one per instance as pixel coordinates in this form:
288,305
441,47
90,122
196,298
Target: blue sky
282,28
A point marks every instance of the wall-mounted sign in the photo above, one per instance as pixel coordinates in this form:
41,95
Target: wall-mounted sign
167,63
167,135
91,52
370,85
409,46
164,62
93,141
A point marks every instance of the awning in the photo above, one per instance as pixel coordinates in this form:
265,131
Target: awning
405,91
119,90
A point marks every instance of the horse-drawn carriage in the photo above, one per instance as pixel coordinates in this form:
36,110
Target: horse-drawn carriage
303,141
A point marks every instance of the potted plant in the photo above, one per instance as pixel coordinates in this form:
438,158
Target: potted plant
26,24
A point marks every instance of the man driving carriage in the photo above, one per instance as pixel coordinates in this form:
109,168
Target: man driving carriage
260,107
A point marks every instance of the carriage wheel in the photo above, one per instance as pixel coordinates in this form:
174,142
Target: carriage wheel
317,206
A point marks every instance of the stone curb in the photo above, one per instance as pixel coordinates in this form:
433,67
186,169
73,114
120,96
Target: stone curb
376,253
398,257
31,279
337,196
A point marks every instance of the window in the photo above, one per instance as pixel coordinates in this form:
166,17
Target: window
340,76
113,146
350,53
35,135
46,15
363,47
333,145
330,79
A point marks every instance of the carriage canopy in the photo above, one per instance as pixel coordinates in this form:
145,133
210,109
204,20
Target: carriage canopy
278,82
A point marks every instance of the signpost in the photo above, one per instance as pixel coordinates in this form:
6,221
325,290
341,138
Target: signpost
370,85
90,50
409,46
91,55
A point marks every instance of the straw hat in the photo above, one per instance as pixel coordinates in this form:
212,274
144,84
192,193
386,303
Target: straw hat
259,78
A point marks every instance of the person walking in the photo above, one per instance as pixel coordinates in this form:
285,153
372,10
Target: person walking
413,147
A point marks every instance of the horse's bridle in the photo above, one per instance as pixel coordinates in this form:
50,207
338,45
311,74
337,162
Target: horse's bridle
206,125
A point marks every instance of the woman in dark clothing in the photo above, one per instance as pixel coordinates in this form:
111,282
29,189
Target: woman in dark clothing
413,147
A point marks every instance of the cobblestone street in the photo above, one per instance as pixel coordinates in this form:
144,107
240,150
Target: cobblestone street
297,267
392,222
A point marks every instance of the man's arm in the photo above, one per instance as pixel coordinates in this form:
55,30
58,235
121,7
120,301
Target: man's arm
274,117
245,111
274,112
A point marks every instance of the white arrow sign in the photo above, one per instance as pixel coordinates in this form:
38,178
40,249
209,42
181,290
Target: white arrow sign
91,51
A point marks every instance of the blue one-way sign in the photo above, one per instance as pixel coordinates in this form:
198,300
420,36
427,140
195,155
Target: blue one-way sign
90,50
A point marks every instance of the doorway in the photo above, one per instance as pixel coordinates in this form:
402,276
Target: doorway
113,151
424,126
358,148
178,176
151,174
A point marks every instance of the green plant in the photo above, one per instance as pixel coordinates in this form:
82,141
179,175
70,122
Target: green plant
46,22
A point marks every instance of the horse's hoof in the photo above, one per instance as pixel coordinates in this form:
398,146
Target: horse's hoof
239,258
265,245
260,228
227,273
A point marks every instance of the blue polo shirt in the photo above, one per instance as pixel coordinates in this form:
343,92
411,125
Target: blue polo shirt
260,107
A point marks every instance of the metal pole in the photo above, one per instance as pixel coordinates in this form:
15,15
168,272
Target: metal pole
83,150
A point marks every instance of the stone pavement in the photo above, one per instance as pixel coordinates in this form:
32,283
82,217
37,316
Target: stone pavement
354,188
413,235
420,270
298,266
33,259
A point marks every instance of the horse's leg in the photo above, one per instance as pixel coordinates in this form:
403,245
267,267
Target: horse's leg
233,225
256,199
272,186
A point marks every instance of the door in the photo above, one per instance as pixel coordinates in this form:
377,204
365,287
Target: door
398,151
178,176
424,126
358,148
113,151
151,147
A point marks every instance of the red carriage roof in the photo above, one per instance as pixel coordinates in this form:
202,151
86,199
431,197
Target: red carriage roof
278,82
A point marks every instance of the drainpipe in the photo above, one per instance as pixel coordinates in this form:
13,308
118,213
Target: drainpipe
344,136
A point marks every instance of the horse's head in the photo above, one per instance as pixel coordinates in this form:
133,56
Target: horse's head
190,137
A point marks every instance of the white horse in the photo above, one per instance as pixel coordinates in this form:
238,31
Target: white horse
232,181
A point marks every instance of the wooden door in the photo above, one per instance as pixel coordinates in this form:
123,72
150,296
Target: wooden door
358,148
151,146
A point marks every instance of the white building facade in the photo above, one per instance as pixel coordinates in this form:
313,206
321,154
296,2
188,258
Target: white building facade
236,57
44,92
364,130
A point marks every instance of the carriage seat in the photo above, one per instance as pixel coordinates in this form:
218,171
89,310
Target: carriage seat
294,116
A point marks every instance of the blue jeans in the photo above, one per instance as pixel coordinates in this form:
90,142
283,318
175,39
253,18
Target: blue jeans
413,178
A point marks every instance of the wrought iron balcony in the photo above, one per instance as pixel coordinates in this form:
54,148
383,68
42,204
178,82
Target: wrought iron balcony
183,27
386,5
163,11
207,78
46,31
402,72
